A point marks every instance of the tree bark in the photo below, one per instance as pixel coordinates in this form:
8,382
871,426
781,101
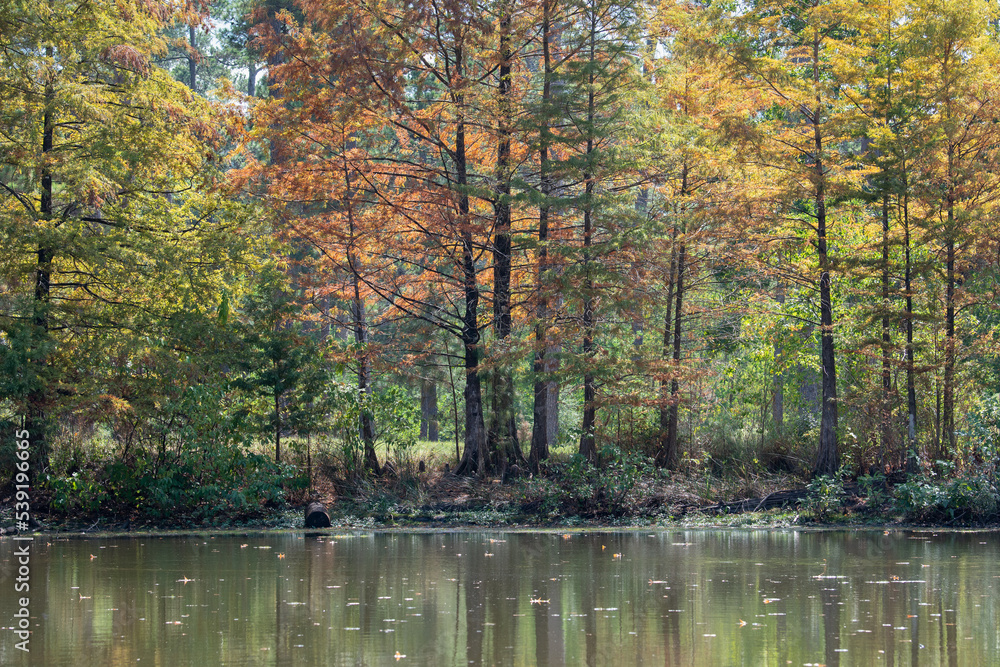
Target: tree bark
506,446
539,428
668,452
911,390
192,59
429,410
778,380
888,444
366,423
475,458
588,446
37,422
277,426
948,398
668,328
828,457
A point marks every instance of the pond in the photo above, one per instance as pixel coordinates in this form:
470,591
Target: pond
673,597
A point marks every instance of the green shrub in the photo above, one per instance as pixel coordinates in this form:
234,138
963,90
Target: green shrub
826,495
874,489
963,499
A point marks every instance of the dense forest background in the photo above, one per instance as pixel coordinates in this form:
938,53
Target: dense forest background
735,238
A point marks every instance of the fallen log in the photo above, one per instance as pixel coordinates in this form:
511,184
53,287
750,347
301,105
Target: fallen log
786,498
316,516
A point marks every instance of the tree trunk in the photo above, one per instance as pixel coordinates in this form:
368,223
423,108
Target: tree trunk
37,422
669,453
192,59
888,445
506,445
359,315
911,390
428,410
668,327
475,457
948,399
778,380
367,422
828,457
277,426
588,446
539,428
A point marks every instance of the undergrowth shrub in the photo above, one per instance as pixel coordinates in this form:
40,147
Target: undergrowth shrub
204,468
970,497
826,495
577,487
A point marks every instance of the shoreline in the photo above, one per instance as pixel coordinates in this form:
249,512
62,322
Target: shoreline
769,520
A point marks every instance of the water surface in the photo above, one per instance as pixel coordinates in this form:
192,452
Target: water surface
675,597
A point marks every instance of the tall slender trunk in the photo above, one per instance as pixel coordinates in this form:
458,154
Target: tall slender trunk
778,380
669,453
429,410
37,422
670,413
506,446
192,59
828,458
886,408
911,387
588,446
539,431
948,400
668,328
366,422
475,458
277,424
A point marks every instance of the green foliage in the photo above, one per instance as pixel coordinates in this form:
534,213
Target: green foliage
396,419
204,468
966,498
282,371
579,488
984,432
873,488
826,495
